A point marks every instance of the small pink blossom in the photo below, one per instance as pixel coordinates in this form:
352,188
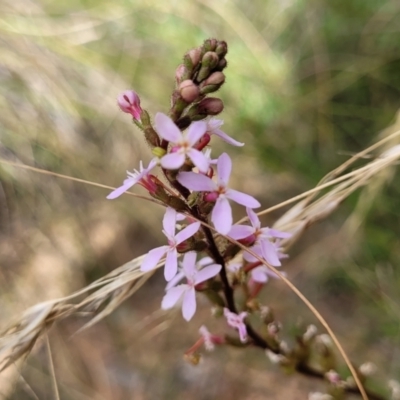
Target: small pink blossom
187,291
183,143
260,236
129,102
221,215
213,126
237,321
209,339
142,177
174,240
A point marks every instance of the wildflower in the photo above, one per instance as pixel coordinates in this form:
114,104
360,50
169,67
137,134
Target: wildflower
219,192
236,321
187,291
213,126
129,102
142,177
174,240
183,143
262,236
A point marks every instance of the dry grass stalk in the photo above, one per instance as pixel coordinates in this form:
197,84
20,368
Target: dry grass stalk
107,293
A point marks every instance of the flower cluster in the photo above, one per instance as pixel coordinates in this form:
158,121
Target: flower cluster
197,193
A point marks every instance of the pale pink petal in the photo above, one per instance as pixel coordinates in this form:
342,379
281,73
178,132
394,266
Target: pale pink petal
240,231
128,183
152,258
259,274
189,304
199,160
276,234
169,222
189,264
197,182
187,232
173,282
171,264
255,249
253,217
207,273
224,168
221,215
172,160
205,261
196,131
227,138
270,253
172,296
167,129
242,198
242,333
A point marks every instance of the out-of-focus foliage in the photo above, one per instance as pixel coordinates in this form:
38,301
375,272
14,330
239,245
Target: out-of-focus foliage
307,83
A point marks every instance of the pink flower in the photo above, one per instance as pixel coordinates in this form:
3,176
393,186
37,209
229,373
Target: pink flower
129,102
174,240
237,321
142,177
184,144
261,236
213,126
187,291
219,192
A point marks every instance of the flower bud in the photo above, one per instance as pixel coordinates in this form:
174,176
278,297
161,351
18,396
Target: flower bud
221,65
195,55
212,83
208,63
129,102
210,106
221,49
188,91
180,73
210,44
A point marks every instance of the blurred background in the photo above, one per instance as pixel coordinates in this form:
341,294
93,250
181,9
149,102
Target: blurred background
309,83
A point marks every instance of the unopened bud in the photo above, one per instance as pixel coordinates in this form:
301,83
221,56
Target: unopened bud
210,106
129,102
222,64
333,377
310,333
209,61
368,368
188,91
195,55
319,396
210,44
159,152
179,73
221,49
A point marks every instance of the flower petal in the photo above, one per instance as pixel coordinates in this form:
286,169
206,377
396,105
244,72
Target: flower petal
222,215
128,183
173,282
207,273
205,261
242,198
253,217
199,160
189,304
259,274
172,296
224,168
196,131
278,234
171,264
270,253
187,232
152,258
167,129
255,249
240,231
189,264
197,182
227,138
172,160
169,222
